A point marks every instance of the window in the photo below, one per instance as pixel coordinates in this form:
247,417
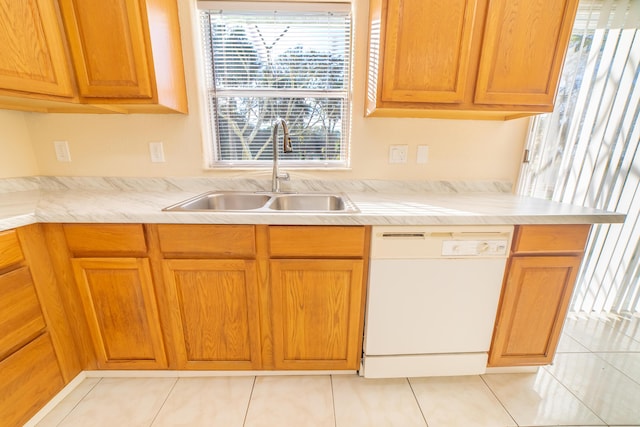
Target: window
277,60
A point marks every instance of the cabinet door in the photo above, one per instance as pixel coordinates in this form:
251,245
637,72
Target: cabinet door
317,309
426,50
120,306
33,58
30,378
534,302
523,50
214,313
113,66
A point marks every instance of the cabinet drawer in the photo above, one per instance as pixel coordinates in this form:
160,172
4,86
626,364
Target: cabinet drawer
107,239
316,241
10,252
30,378
210,240
550,238
20,316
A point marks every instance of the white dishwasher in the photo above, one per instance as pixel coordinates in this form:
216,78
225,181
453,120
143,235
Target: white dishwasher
432,299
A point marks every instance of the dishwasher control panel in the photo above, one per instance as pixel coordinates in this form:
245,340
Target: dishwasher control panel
440,241
474,247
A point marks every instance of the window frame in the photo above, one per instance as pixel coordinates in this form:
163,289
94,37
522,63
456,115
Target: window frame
211,149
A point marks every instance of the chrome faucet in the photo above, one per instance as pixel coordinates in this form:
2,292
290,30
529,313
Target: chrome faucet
286,148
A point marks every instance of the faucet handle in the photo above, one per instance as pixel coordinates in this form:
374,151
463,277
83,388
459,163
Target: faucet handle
283,176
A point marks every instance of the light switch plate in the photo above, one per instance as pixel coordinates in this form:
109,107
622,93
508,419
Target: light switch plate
423,154
156,150
398,153
62,151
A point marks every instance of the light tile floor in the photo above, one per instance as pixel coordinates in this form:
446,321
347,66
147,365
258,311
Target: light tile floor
595,381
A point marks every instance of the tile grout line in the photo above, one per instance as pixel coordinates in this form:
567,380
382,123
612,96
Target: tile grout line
498,399
76,405
164,401
426,423
246,412
333,402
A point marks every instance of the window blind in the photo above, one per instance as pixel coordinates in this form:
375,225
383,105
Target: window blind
587,151
263,63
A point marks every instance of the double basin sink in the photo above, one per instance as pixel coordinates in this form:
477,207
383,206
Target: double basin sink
240,201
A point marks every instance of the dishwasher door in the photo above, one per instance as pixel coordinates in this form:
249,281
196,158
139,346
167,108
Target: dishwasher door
432,300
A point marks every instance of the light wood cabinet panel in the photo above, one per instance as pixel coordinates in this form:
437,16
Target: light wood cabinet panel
522,51
103,70
317,305
531,239
121,309
214,313
210,241
535,298
30,378
441,31
10,252
105,239
316,241
127,53
20,315
33,57
478,59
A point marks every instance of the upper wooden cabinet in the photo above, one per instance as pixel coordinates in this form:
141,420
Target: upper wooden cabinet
93,56
33,57
493,59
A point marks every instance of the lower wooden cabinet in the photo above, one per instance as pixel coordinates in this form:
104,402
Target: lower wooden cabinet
29,378
120,306
264,297
534,303
316,313
214,313
537,289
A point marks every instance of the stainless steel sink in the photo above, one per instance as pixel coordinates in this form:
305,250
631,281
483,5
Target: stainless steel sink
242,201
220,201
308,202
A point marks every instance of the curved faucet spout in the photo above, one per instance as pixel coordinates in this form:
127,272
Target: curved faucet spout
276,176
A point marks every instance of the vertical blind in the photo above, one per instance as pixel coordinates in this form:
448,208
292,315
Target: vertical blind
587,151
266,61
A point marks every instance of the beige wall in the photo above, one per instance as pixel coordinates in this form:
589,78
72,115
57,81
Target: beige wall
113,145
16,154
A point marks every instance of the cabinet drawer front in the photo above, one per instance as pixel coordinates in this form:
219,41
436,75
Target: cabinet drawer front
30,377
20,316
10,252
108,239
210,240
550,238
316,241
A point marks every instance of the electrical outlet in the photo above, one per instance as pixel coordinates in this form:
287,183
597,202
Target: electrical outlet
62,151
398,153
156,150
423,154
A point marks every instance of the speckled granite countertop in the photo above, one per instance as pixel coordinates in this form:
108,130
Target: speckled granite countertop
141,200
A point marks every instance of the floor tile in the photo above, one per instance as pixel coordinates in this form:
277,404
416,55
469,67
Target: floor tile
569,345
459,401
130,402
291,401
613,396
628,363
600,335
539,400
206,402
63,408
361,402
